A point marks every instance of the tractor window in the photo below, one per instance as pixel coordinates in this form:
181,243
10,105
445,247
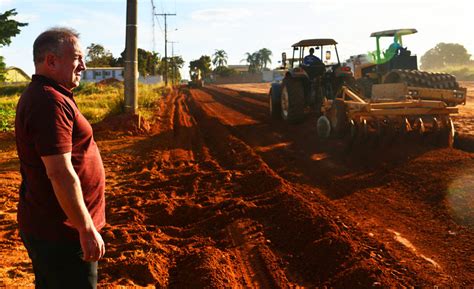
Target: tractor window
328,55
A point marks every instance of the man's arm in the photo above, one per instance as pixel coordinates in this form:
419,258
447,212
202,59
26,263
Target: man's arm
67,188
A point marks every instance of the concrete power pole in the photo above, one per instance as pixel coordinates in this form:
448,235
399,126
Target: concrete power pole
131,59
174,60
166,45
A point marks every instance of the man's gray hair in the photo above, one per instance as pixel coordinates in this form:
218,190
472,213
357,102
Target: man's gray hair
51,41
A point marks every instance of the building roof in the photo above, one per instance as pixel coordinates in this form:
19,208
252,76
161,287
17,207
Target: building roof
20,74
393,32
238,67
104,68
315,42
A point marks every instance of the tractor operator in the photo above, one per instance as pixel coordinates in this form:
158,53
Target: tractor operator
311,59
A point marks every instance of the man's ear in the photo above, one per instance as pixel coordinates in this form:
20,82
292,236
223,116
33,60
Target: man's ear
50,60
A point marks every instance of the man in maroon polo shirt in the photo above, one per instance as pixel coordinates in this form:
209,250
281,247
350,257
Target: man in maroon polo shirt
62,205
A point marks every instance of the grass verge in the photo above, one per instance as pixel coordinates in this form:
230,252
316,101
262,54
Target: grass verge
96,102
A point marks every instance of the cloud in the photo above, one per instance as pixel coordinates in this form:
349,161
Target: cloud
221,15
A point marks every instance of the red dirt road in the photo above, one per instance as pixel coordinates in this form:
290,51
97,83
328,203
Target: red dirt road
217,195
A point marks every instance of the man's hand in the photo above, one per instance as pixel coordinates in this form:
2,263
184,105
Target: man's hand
67,188
92,245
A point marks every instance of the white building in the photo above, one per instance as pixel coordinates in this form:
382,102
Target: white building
96,74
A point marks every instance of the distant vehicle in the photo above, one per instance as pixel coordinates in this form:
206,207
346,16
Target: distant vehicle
196,79
184,82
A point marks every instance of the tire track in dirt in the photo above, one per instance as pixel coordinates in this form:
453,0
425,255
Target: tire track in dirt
366,181
332,259
174,192
224,221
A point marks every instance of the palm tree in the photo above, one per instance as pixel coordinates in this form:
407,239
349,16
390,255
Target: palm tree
253,60
265,56
220,58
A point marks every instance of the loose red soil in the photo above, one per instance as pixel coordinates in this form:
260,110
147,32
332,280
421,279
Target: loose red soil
215,194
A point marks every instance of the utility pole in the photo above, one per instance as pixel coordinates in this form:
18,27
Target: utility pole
166,44
131,59
174,62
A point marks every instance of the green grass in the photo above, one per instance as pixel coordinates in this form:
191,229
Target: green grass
7,112
94,101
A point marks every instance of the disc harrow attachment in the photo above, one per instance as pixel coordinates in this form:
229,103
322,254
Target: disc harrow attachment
397,117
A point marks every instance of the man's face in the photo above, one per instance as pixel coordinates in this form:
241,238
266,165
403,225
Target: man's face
70,63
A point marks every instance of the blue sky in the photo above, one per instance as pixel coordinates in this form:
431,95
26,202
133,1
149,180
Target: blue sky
201,27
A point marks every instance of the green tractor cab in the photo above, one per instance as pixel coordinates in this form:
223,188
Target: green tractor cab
395,49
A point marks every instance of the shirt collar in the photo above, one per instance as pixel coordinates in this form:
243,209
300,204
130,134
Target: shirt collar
54,84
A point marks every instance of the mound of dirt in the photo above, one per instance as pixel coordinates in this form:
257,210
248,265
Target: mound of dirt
130,124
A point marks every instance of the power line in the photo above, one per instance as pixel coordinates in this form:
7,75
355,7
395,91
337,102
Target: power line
153,24
157,19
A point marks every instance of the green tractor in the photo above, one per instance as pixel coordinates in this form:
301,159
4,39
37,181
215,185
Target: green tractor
396,64
307,86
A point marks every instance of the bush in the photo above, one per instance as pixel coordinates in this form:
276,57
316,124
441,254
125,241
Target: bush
12,89
462,73
7,118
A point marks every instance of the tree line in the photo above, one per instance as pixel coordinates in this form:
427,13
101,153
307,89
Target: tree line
149,62
256,61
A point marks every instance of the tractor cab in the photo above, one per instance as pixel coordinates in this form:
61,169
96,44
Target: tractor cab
326,52
390,53
307,84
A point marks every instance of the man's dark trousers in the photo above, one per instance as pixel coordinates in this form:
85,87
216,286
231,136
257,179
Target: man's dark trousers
59,264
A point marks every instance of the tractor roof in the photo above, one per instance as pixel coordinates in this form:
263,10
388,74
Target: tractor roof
391,33
315,42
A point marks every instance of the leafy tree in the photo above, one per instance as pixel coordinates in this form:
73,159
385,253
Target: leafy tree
98,56
203,64
175,63
445,54
9,28
220,58
224,71
149,63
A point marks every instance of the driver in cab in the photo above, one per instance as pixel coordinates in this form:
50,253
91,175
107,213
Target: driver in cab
311,59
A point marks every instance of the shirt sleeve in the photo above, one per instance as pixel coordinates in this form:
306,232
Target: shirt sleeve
51,126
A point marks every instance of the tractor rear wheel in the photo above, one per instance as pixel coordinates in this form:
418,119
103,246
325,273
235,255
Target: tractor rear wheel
292,100
274,102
